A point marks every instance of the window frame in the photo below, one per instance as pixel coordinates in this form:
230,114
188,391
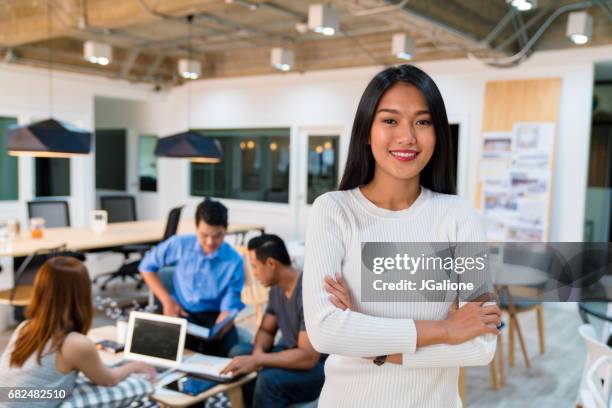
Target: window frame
242,133
15,117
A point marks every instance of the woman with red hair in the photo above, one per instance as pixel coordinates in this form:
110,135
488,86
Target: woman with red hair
49,348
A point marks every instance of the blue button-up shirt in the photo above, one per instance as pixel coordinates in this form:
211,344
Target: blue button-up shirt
202,283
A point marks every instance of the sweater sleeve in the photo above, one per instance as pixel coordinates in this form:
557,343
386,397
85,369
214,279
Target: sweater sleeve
330,329
465,227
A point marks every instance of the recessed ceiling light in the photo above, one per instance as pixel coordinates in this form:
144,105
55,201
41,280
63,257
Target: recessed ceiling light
402,46
301,27
189,69
97,52
523,5
579,27
282,59
323,19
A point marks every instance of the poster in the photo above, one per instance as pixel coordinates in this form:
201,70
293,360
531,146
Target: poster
515,175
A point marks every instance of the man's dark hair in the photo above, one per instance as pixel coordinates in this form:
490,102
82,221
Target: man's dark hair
269,246
212,213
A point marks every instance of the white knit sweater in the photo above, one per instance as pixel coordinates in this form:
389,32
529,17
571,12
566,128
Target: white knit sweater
339,222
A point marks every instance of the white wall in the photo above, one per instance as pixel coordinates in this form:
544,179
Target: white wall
137,117
25,95
299,101
330,98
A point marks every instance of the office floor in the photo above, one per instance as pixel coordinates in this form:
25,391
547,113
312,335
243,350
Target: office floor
552,380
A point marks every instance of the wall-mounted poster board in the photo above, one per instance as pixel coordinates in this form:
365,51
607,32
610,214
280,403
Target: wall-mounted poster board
516,160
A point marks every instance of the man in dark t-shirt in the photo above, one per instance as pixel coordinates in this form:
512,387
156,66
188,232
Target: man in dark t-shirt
292,370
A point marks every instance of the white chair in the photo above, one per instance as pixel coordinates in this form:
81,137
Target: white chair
599,381
595,350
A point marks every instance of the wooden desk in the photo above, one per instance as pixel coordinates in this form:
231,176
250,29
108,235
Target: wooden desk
167,397
117,234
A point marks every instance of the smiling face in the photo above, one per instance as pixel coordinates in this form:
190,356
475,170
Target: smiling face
402,136
210,237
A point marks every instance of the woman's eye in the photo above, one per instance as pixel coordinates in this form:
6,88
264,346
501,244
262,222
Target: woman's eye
423,122
390,121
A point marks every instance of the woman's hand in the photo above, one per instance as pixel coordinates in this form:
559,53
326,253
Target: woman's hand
338,291
472,320
142,368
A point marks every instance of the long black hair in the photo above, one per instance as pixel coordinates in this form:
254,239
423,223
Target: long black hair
438,175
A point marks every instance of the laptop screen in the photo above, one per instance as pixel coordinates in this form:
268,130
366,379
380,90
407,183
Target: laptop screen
156,339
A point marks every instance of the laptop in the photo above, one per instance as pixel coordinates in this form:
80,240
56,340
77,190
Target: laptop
160,341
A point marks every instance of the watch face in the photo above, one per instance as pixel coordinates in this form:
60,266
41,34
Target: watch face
380,360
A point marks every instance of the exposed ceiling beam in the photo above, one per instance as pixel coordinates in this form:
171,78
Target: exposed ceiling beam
101,13
150,75
129,62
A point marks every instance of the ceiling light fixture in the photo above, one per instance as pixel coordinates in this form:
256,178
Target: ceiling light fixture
523,5
97,52
49,137
189,69
323,19
402,46
579,27
282,59
190,144
301,27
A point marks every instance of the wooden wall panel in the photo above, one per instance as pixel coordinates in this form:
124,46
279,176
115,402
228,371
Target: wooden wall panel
532,100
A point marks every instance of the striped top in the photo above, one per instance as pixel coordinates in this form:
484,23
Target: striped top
338,223
33,375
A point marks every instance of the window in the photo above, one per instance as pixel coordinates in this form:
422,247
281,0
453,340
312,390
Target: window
110,159
52,177
9,180
322,165
147,163
255,166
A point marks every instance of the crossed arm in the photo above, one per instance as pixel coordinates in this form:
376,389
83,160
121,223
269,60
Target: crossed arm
430,333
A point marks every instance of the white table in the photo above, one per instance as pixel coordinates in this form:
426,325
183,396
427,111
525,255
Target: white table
168,397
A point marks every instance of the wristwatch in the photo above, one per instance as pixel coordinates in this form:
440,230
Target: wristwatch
380,360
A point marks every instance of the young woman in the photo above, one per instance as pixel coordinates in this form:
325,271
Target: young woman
397,187
50,347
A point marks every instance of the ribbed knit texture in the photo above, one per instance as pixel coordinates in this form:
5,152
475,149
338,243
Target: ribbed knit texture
339,222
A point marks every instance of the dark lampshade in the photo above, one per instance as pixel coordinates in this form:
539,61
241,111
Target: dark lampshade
190,145
47,138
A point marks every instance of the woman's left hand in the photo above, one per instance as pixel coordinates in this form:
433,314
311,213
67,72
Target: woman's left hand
338,291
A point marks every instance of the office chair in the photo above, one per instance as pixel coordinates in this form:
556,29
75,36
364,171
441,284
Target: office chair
130,269
54,212
121,208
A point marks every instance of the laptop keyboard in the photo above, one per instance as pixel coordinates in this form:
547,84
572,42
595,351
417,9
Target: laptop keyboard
160,370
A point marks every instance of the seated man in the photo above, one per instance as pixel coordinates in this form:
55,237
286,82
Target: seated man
292,371
208,276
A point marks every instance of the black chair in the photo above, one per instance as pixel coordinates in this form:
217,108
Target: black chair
121,208
54,212
130,269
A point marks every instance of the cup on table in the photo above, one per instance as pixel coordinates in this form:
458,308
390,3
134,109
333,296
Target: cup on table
37,226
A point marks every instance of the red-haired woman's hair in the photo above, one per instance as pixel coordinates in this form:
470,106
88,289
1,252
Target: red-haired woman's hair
61,303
